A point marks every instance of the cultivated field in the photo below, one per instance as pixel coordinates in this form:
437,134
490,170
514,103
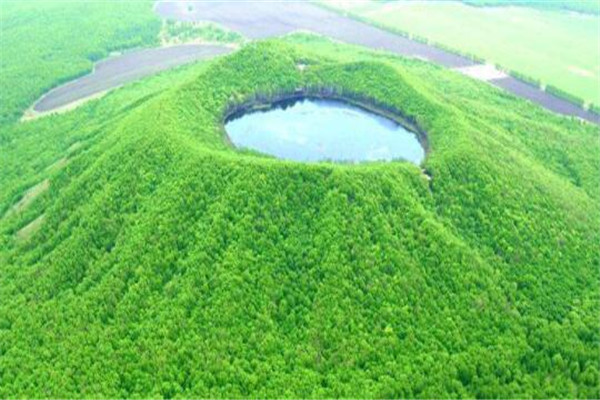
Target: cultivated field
260,20
35,58
558,47
119,70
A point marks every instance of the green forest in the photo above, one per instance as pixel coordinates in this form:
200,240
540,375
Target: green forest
141,256
182,32
45,43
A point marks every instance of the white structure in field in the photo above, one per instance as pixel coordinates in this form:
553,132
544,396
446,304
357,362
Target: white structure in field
483,72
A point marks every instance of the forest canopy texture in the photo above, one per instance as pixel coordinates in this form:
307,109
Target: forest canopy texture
142,256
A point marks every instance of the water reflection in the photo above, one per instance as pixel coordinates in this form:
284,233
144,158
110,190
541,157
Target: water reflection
312,130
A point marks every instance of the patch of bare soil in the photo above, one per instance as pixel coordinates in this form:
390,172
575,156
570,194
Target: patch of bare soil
28,230
29,196
58,164
74,147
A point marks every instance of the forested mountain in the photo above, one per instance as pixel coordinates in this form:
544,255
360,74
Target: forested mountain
142,256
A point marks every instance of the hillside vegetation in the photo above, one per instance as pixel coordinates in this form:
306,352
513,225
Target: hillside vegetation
157,261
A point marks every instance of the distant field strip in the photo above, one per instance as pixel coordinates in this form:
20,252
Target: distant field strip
119,70
556,47
259,20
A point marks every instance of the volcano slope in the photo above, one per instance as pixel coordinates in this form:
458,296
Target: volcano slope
161,262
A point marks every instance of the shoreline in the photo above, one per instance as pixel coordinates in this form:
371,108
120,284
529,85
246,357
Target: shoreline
236,110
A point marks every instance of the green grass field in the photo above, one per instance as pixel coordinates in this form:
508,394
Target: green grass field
580,6
560,48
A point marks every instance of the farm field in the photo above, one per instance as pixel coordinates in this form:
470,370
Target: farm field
35,57
557,47
268,19
185,24
580,6
121,69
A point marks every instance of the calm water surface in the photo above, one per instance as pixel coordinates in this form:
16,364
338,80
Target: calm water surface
317,130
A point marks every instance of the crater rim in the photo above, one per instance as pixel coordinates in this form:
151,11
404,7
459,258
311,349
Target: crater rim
263,103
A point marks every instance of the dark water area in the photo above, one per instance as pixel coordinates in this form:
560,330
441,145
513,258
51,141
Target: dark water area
311,130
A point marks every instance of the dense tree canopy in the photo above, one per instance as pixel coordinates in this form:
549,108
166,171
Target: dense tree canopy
164,263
